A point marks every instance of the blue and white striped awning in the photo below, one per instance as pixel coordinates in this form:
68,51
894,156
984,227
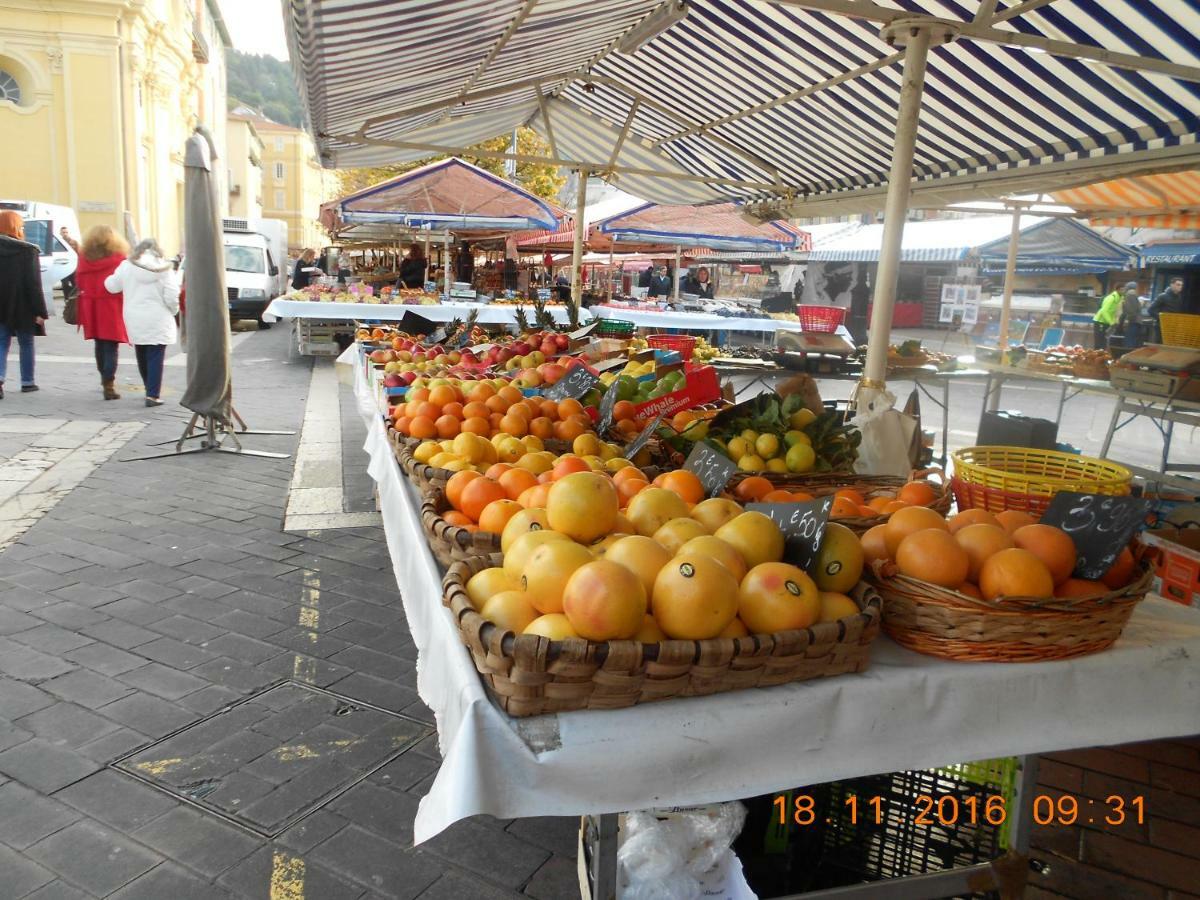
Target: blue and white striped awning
789,102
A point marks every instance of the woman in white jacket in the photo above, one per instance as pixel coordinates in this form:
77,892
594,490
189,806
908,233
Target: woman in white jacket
151,302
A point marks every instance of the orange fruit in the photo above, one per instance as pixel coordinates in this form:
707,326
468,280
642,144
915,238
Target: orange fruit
535,497
477,425
568,465
510,394
403,424
893,505
776,596
677,532
622,410
755,537
515,425
497,404
419,395
801,496
970,590
447,426
511,610
735,629
398,410
933,555
479,493
475,409
713,547
454,517
427,409
1015,573
1051,545
643,556
753,489
686,484
456,483
442,394
571,428
569,407
867,512
715,512
545,477
1012,519
541,427
918,493
604,601
628,489
496,515
583,506
548,409
980,542
481,392
649,633
548,570
779,496
653,507
422,427
1121,572
627,472
844,508
907,520
836,606
495,470
1081,587
971,517
852,495
453,409
516,481
627,428
874,544
694,599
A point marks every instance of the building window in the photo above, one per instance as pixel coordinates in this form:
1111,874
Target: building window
10,91
279,199
279,143
279,171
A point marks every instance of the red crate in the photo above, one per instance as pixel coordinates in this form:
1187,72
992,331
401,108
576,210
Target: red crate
822,319
683,344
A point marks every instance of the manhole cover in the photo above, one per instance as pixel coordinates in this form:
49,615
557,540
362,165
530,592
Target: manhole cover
275,757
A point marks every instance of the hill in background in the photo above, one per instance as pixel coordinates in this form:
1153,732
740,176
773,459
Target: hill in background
264,83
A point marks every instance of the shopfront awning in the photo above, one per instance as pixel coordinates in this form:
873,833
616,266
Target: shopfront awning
718,226
1169,200
1167,253
790,103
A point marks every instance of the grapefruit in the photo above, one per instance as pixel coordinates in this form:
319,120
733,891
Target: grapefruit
510,610
907,520
649,633
547,570
714,513
712,546
487,582
605,601
677,532
522,548
583,506
1012,519
776,596
652,508
980,542
933,555
1051,545
836,606
1015,573
643,556
553,626
755,537
523,522
736,628
694,599
970,517
839,562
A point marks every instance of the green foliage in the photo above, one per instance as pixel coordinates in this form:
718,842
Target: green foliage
265,83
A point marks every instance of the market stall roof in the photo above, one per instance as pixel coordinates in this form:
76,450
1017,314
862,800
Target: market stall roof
563,238
719,226
1168,200
448,194
1165,253
1045,243
789,102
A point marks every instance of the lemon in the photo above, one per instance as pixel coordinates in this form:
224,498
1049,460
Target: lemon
767,445
794,437
488,451
533,443
609,452
800,458
750,436
447,446
738,447
537,463
594,462
427,451
776,465
802,418
751,463
587,444
439,461
617,463
509,450
456,465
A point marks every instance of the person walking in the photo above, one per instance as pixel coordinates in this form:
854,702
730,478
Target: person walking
99,311
22,303
1169,301
1131,316
1105,318
151,291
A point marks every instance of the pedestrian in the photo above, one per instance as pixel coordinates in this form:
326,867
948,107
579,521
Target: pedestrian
1105,318
1169,301
151,291
1131,316
22,303
306,269
99,311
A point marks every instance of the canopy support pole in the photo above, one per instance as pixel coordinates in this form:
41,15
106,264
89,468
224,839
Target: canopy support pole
446,276
612,247
425,277
577,243
899,185
1010,275
675,287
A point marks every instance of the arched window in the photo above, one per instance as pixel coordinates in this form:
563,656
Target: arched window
10,90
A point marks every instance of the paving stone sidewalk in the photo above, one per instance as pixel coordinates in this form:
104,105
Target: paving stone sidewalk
137,599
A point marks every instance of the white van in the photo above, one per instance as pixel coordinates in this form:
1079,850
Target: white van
42,224
255,265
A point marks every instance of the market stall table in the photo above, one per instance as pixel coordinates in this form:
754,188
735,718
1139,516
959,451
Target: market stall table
489,313
906,712
1069,386
1163,412
696,321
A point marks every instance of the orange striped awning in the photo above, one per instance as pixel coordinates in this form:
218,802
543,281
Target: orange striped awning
1146,201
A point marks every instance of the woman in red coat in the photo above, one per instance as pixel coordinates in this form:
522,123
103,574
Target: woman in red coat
100,313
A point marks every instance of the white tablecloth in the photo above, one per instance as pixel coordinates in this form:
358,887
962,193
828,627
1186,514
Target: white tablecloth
906,712
695,321
489,314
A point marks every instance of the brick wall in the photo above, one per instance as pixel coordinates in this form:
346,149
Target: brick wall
1158,859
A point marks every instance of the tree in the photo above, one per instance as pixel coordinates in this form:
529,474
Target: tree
540,179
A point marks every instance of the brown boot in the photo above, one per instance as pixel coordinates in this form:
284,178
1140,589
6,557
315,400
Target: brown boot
110,390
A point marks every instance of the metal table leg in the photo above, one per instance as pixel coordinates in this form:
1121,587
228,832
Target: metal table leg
603,831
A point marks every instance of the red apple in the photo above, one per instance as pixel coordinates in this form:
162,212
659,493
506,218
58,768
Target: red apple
551,372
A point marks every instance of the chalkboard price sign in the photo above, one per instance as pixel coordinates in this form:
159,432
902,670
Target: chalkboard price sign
607,404
713,468
1100,525
802,524
640,441
577,382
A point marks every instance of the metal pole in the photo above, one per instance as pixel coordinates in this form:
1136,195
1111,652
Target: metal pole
425,277
577,245
1010,275
899,186
675,288
611,249
446,269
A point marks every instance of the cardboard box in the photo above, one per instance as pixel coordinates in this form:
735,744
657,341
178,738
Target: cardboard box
1177,569
702,387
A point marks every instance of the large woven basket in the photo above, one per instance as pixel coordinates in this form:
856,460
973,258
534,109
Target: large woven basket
1000,478
940,622
530,675
452,543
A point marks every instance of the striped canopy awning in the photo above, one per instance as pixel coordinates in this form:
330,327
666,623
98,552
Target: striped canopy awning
789,103
1170,200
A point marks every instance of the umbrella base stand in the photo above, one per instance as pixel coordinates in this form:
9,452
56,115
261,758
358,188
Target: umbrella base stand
213,436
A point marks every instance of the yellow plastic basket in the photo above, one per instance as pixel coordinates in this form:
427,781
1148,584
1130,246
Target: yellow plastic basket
1000,478
1180,329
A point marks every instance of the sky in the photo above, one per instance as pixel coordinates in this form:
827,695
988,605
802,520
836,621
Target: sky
256,26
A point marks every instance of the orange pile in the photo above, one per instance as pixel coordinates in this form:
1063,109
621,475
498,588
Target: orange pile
444,411
848,503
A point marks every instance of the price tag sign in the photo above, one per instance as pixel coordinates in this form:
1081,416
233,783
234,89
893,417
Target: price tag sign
607,404
577,382
802,524
640,441
1100,525
543,293
713,468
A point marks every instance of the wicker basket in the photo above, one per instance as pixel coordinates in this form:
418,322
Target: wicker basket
940,622
1097,371
530,675
1000,478
1180,329
452,543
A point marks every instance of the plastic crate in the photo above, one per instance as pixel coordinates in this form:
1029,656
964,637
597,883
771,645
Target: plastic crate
1177,566
822,319
1180,329
683,344
618,328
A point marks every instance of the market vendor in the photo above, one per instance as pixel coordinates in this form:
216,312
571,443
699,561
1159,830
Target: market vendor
306,269
660,283
412,268
464,266
699,284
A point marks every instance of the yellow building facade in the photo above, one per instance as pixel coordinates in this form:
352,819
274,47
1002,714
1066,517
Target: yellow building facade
243,169
97,98
294,183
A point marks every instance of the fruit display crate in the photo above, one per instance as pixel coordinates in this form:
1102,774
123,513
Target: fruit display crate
315,337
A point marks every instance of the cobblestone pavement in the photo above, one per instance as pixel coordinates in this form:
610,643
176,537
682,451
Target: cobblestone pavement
138,599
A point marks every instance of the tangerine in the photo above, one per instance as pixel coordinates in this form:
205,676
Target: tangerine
917,493
1120,573
1051,545
1015,573
755,536
684,483
933,555
844,508
981,541
628,489
1081,587
852,495
1012,519
753,489
402,424
481,392
422,427
475,409
442,394
878,503
971,517
643,556
495,470
541,427
456,483
907,520
605,601
497,404
694,599
970,590
569,407
496,515
515,425
453,409
477,494
583,506
454,517
623,410
477,425
510,394
547,571
447,426
776,596
516,482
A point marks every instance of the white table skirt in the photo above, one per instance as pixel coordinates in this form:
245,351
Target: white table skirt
906,712
694,321
489,314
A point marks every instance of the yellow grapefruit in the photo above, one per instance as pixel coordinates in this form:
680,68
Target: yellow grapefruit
641,555
605,601
775,596
694,599
583,506
510,610
554,626
546,573
488,582
839,563
755,537
712,546
652,508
